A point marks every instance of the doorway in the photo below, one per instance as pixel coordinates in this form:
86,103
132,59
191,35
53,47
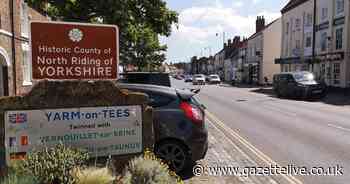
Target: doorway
4,91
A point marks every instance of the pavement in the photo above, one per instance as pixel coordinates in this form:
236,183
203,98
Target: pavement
277,131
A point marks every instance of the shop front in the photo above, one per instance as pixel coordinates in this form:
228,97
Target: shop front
332,69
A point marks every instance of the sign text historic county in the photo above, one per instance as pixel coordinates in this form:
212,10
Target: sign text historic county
74,51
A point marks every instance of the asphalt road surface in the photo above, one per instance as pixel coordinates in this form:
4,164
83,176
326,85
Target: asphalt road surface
302,133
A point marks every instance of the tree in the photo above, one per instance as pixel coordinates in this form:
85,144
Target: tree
140,23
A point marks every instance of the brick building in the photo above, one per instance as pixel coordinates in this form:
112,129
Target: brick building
15,62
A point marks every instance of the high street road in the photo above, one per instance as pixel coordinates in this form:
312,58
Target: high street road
282,131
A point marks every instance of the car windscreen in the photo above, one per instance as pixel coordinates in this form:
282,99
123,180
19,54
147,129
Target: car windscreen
214,77
301,77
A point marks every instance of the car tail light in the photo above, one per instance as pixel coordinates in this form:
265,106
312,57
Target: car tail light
192,112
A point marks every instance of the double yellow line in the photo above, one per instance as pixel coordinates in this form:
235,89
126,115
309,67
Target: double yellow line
218,123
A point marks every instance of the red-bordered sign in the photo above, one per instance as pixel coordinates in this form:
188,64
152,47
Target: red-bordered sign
62,50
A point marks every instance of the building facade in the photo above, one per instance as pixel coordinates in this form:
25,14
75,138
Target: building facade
317,43
15,62
272,38
254,54
241,61
297,36
332,42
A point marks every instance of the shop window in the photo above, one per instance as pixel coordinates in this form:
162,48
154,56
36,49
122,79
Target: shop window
339,39
336,73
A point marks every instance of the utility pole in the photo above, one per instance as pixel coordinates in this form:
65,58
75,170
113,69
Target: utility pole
314,35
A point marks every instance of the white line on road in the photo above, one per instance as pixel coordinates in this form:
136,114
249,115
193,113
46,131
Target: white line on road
339,127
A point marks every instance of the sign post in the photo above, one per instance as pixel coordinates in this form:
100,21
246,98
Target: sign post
74,51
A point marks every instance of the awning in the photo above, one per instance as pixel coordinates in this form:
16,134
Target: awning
290,60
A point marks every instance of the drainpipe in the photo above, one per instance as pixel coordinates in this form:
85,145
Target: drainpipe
13,46
314,35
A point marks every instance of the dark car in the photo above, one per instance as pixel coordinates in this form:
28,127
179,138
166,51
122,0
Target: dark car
297,84
179,123
154,78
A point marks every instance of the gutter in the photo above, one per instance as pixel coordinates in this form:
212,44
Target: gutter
13,41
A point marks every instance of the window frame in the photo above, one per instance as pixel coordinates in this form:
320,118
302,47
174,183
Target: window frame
339,32
24,24
323,41
336,73
338,10
26,65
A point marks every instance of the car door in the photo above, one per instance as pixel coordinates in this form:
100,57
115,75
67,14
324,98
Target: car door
291,85
283,85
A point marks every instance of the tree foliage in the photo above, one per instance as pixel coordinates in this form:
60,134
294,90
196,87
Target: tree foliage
140,23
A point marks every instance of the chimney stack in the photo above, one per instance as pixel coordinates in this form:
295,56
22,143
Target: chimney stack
260,23
229,42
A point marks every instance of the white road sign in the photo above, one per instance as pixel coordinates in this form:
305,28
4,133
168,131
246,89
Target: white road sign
102,131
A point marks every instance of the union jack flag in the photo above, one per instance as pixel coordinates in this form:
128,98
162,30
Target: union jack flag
18,118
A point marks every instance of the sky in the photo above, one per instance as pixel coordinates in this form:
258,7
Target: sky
202,24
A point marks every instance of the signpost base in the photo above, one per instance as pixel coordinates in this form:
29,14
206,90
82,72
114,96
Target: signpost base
73,94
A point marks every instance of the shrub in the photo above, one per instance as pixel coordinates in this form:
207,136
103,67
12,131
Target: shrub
18,179
93,176
54,165
16,176
148,170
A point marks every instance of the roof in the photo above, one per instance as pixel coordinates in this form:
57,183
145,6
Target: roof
268,25
292,4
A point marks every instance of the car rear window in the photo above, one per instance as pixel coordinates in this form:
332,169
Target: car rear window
161,79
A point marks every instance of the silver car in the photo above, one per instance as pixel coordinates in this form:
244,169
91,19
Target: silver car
198,79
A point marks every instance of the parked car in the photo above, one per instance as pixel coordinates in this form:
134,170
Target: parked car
198,79
297,84
214,79
155,78
188,78
179,124
207,78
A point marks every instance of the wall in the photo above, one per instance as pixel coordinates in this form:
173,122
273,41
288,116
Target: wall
272,47
21,42
293,36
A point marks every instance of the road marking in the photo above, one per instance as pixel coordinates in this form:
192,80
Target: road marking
339,127
253,149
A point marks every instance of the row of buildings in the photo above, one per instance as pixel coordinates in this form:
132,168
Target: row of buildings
15,66
311,35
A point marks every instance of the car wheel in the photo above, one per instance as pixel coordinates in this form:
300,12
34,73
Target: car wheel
175,154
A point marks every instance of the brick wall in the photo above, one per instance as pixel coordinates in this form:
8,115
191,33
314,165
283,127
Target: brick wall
6,42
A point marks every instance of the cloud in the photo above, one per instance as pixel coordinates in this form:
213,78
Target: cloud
198,23
198,26
237,4
256,1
